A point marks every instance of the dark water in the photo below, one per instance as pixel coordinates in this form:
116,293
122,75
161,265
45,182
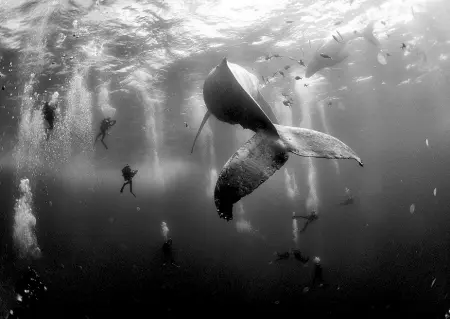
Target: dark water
101,250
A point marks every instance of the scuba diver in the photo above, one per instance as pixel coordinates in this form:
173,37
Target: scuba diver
49,110
309,219
128,175
294,252
280,256
298,255
168,254
106,124
29,290
317,273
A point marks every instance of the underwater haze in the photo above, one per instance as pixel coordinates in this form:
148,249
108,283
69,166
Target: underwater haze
374,74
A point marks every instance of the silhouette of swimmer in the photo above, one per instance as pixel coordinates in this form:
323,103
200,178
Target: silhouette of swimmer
29,290
128,175
105,125
49,113
317,273
168,253
309,219
298,256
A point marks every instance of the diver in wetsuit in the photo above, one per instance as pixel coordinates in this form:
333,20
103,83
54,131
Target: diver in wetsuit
49,110
309,219
29,290
104,127
298,255
128,175
168,254
317,273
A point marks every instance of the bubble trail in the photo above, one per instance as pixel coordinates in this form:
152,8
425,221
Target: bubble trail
165,230
24,236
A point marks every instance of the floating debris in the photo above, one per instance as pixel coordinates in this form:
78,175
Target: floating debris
412,208
435,191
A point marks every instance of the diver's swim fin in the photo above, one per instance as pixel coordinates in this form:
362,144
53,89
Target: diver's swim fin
205,118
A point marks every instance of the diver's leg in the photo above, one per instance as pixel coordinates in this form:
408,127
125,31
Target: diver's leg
99,134
123,186
103,137
305,226
131,188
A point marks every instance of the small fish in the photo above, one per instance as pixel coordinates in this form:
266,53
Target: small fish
185,124
298,77
334,37
382,22
286,103
403,47
289,21
323,55
388,54
426,142
305,85
432,283
277,56
281,72
435,191
338,23
301,63
329,104
340,35
412,208
287,67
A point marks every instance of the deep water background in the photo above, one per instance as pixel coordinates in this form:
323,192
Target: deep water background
101,253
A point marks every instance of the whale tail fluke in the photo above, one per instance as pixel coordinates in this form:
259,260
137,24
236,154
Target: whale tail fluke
264,154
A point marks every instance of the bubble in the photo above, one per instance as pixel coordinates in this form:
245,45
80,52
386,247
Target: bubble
138,208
